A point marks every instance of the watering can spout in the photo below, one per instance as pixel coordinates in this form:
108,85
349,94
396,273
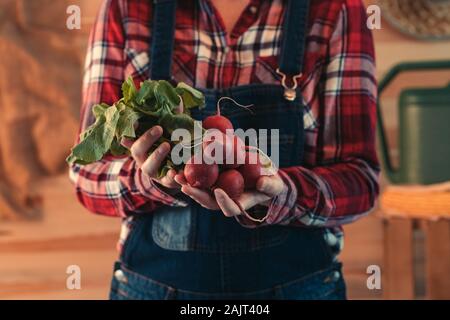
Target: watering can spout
398,175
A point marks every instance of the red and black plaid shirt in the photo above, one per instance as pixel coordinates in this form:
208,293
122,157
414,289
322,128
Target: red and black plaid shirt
339,181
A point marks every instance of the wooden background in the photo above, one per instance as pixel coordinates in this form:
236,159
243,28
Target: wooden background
34,255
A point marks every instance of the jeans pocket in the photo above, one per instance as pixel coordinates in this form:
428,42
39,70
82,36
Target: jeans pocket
128,285
327,284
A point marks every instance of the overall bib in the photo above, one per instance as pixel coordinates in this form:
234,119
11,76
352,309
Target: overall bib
195,253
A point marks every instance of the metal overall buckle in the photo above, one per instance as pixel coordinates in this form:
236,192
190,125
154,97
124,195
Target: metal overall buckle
289,92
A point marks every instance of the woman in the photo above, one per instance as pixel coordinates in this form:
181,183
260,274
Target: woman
179,242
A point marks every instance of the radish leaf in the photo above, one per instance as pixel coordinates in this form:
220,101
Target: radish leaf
97,139
191,97
156,102
128,90
166,95
126,122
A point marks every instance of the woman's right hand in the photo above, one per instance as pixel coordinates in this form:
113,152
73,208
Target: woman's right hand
150,164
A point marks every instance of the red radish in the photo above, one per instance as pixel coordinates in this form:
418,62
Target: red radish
232,182
232,148
251,171
220,122
199,174
217,122
215,141
238,154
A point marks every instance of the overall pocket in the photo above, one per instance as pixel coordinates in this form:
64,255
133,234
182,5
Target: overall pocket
197,229
171,228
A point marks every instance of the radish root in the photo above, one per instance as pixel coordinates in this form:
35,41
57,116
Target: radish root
248,216
235,102
272,168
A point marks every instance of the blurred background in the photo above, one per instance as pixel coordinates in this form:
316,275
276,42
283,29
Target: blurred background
43,229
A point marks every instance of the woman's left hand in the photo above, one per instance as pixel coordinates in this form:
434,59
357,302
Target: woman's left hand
267,188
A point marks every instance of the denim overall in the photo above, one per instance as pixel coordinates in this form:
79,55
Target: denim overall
195,253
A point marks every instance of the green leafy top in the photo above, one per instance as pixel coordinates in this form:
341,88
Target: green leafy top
156,102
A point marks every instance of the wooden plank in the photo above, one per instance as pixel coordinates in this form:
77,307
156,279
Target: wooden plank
105,241
42,275
398,276
437,259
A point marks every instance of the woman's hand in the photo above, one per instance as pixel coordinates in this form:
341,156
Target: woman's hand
267,188
149,164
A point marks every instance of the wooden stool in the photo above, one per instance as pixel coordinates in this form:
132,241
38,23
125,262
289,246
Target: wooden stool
404,210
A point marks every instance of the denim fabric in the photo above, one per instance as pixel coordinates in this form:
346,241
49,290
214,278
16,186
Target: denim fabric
292,254
195,253
326,284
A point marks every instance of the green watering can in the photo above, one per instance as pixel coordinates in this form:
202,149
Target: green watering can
424,130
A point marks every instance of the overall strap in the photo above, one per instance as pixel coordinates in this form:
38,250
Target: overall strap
163,33
292,47
291,57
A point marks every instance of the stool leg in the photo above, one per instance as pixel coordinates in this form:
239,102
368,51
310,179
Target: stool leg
398,259
437,259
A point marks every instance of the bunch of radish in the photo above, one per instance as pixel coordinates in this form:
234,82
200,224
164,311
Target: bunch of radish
236,169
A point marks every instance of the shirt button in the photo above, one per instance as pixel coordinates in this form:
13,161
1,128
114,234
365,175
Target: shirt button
120,276
253,9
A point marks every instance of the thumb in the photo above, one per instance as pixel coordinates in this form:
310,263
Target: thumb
270,185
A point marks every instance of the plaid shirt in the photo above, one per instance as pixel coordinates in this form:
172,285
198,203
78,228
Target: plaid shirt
339,180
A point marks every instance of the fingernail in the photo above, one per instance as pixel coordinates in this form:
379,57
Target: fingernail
185,189
218,195
163,148
127,143
155,131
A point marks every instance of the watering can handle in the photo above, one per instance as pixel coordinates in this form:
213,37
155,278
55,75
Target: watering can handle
391,172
